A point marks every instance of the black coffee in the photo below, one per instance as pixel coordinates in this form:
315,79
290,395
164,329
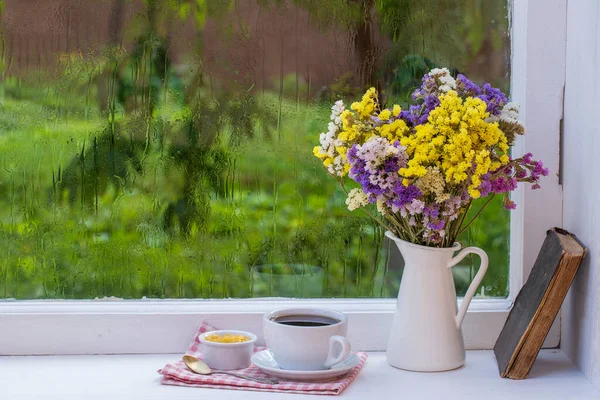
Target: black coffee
305,320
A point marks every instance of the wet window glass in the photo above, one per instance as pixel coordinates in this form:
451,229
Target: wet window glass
163,148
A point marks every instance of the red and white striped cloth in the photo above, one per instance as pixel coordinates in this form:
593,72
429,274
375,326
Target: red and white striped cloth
178,374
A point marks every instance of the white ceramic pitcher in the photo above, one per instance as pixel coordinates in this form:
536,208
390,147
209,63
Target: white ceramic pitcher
426,333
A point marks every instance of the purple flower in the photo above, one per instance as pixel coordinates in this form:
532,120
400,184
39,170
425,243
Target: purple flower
535,169
407,193
427,100
494,98
486,187
408,116
359,173
403,195
437,225
509,204
417,114
504,184
374,169
431,211
428,86
377,121
391,165
352,153
466,87
538,170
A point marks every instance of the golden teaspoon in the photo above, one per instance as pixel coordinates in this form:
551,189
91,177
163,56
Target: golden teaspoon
200,367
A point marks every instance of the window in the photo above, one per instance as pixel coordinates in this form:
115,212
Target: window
162,149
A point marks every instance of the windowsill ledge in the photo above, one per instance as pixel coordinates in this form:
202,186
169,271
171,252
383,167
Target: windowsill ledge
134,377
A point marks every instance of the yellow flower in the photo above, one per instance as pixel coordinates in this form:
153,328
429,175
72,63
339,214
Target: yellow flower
474,193
341,149
367,105
385,115
350,134
351,128
457,142
317,152
452,151
393,131
347,119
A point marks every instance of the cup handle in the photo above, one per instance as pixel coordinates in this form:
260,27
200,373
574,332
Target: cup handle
332,359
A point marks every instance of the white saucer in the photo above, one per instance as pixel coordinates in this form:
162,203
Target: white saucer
265,361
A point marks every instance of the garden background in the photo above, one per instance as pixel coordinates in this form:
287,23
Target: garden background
163,148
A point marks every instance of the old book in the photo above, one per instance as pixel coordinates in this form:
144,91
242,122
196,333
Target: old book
538,303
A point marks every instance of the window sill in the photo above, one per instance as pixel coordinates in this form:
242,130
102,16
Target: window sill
112,327
134,377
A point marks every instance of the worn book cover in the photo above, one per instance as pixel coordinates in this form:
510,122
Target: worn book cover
537,303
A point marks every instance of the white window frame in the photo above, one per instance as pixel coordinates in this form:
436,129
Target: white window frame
538,33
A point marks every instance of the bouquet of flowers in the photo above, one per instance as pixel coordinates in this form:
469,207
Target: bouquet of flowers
424,166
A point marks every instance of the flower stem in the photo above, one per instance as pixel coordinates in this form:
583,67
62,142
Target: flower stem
476,215
458,223
380,222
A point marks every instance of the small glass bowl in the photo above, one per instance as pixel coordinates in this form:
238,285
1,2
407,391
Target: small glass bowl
227,356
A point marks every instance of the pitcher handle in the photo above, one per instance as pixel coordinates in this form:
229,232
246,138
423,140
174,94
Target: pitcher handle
476,281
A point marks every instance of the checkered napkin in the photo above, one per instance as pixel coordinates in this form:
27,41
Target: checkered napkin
178,374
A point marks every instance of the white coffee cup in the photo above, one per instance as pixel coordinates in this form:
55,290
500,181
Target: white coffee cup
306,348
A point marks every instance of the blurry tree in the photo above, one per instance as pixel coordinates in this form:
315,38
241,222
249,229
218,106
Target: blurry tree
2,52
459,34
135,82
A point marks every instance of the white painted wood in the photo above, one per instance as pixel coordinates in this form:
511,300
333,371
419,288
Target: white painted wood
581,312
79,327
537,83
135,378
115,327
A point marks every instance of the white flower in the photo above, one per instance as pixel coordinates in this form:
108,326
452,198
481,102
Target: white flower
329,141
337,166
415,207
448,83
356,198
510,113
375,151
447,80
439,71
443,77
381,207
332,128
381,181
336,111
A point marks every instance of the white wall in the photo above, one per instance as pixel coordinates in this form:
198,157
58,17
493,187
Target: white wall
581,183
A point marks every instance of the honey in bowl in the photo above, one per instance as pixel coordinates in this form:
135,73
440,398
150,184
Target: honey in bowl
226,338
